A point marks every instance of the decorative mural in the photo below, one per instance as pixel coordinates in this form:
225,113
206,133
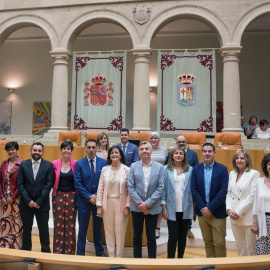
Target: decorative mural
42,117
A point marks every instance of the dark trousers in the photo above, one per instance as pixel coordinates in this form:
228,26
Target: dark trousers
177,233
43,227
83,219
150,224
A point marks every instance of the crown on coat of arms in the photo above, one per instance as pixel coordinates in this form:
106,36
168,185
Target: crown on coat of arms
110,84
86,84
98,79
186,78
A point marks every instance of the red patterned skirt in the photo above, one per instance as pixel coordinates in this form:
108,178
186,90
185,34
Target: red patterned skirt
64,216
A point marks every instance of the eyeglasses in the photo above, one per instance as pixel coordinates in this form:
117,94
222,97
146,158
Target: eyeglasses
181,142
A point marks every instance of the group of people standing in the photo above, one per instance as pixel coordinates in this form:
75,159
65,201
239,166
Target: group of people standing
150,182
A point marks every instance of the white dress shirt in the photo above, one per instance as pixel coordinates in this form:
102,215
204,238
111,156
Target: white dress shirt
146,174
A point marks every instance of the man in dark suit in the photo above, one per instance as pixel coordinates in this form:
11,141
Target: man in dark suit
145,187
192,157
130,150
86,179
35,179
209,184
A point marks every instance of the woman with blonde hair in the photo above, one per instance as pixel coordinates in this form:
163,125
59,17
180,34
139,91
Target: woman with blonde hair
176,201
239,201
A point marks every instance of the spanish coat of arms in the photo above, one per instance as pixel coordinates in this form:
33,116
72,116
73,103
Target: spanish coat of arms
99,92
186,90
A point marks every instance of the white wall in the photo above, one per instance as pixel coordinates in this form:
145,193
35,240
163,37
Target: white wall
28,66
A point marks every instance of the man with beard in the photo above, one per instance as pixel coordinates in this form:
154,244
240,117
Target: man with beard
35,180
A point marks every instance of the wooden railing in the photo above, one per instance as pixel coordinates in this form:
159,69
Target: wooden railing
71,262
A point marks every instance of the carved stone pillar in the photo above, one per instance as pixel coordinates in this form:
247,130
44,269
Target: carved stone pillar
141,103
231,89
59,91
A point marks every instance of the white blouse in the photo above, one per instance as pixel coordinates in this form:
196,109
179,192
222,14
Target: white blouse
259,134
179,181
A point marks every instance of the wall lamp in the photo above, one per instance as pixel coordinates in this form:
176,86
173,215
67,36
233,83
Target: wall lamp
11,89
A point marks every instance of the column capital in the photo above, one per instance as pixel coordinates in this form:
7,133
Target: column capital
143,52
231,50
61,54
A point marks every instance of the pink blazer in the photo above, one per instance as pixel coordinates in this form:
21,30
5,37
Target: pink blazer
57,168
103,188
12,177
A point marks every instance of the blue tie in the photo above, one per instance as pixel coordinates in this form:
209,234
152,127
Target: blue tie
92,167
124,150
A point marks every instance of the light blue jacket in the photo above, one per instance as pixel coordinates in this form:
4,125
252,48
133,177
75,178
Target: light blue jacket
169,195
155,187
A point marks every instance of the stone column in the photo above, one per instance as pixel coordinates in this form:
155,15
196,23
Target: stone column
141,102
59,91
231,89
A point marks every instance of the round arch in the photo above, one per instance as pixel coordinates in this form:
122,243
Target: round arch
187,12
247,18
97,16
12,24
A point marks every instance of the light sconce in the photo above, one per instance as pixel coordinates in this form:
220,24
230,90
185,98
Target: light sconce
11,89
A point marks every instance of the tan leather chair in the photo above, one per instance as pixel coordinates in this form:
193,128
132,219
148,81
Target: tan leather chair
74,136
142,136
4,142
231,140
195,140
93,134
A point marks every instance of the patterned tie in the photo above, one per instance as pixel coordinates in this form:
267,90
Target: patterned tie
124,149
92,167
35,170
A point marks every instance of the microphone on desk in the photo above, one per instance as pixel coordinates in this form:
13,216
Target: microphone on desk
80,143
38,138
2,139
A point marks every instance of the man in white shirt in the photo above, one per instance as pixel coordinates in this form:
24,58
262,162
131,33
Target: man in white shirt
145,187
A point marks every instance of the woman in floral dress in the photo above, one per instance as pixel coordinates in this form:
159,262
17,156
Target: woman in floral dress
10,223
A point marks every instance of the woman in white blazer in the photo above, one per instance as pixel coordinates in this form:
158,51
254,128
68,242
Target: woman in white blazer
239,202
113,201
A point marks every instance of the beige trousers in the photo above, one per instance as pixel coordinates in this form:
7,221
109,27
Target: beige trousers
115,225
245,240
214,233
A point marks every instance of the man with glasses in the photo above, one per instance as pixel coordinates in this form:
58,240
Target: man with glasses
192,157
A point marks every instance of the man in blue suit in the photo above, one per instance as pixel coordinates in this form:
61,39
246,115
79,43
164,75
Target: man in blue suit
86,179
209,184
145,187
130,150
